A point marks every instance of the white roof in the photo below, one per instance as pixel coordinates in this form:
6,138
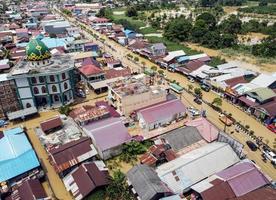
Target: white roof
101,84
4,61
3,77
199,71
173,54
205,184
264,80
244,87
196,165
197,56
232,64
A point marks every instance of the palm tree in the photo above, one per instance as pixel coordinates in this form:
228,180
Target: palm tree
198,92
154,68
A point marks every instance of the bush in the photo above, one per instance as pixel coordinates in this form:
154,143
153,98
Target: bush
65,110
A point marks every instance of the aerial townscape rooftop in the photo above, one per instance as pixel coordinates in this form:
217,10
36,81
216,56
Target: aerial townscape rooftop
138,100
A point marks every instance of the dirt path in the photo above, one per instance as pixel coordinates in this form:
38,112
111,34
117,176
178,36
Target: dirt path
248,62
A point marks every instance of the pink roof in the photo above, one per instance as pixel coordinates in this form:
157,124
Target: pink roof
243,178
22,30
113,73
108,133
207,130
88,70
162,111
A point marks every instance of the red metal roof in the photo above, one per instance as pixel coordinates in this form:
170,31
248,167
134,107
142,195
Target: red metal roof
50,124
66,156
234,81
90,69
259,194
113,73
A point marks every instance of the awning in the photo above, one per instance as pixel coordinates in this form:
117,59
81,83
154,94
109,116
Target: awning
247,101
22,113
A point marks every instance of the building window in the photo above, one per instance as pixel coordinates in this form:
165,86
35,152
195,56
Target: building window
63,76
56,98
41,79
52,78
28,105
65,86
36,91
43,89
33,80
54,88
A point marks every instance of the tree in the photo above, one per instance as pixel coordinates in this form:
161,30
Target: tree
65,110
118,188
131,12
154,68
199,30
231,25
228,40
267,48
198,92
136,59
143,63
217,101
161,72
263,3
178,29
190,87
104,12
209,20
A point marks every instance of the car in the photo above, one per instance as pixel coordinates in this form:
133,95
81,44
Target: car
198,101
3,123
191,79
251,145
205,87
270,156
80,93
193,111
272,127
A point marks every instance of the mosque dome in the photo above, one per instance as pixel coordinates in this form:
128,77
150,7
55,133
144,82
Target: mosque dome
36,50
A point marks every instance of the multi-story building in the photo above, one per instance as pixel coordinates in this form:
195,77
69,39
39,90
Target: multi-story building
130,94
8,97
43,79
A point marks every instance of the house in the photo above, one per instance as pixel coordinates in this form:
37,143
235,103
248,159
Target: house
161,114
260,95
206,129
265,80
22,32
183,140
173,56
86,178
235,181
191,66
266,112
145,184
158,154
188,169
129,34
157,49
199,72
55,26
90,46
30,189
64,157
131,94
91,73
86,114
259,194
73,32
18,158
51,124
108,136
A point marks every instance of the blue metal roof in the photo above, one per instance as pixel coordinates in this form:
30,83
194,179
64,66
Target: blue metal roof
57,42
16,154
127,31
183,58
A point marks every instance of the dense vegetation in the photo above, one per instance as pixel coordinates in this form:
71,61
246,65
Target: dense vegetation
204,31
269,9
211,3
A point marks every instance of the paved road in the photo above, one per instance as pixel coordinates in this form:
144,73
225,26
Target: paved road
120,52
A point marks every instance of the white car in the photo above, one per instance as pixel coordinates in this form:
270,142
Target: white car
193,111
270,156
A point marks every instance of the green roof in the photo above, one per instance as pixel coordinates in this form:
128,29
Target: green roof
176,86
36,50
261,94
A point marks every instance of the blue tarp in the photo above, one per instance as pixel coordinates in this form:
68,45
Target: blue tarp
16,154
183,58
